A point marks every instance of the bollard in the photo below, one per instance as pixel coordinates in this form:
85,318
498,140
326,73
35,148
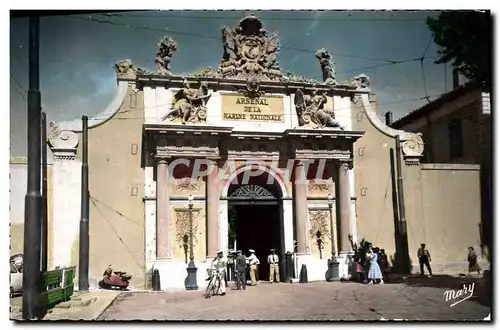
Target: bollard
333,270
156,280
303,274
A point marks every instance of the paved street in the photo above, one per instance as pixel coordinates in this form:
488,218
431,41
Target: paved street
313,301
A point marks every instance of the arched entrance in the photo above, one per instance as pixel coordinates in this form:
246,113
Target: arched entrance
255,216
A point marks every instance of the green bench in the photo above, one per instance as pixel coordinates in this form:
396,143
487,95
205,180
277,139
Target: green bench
57,286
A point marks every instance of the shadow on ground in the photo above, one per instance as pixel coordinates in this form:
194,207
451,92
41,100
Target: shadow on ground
447,282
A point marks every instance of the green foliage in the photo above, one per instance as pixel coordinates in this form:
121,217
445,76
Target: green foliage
464,39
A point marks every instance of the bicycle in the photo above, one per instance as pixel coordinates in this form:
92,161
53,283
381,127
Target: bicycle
214,283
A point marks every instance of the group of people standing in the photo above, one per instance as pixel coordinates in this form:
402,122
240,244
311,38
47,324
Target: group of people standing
372,264
374,267
241,262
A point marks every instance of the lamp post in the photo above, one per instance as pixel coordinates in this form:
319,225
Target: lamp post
333,265
191,268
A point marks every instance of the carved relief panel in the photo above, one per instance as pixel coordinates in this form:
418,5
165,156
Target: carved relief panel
183,187
320,232
180,234
320,188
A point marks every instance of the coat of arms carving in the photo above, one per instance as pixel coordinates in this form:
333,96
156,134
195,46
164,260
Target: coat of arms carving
250,51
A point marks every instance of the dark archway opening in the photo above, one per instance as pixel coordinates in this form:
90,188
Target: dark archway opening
255,220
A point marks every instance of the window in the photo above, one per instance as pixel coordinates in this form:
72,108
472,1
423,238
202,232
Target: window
455,139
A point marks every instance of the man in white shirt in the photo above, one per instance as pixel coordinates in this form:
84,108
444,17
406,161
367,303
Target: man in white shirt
254,262
274,268
218,266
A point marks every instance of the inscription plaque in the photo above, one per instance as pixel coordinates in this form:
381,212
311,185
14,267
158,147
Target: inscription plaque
262,109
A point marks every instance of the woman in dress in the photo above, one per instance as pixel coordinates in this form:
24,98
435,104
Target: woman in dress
472,259
374,272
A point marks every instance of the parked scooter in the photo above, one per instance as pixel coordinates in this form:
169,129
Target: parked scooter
16,273
114,280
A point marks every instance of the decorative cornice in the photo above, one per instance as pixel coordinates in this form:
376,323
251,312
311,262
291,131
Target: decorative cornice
285,87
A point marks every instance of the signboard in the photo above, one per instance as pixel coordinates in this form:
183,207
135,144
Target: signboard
262,109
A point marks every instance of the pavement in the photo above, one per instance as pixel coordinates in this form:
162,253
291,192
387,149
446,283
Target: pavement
85,306
411,298
424,300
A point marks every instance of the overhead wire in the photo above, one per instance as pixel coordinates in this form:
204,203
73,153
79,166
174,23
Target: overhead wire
423,69
18,88
218,38
354,19
114,210
117,235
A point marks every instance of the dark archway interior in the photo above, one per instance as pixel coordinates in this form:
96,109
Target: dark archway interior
256,223
258,228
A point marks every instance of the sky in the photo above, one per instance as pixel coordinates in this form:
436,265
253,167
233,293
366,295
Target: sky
77,55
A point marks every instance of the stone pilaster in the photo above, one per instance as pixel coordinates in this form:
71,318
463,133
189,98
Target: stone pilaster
212,194
163,235
300,206
343,206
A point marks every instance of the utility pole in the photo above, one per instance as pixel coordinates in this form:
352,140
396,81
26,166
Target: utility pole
83,272
402,229
33,202
44,245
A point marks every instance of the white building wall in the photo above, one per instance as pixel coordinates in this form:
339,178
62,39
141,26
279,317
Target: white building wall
67,210
18,184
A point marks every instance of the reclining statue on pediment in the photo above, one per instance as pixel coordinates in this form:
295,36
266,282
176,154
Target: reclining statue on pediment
311,110
189,104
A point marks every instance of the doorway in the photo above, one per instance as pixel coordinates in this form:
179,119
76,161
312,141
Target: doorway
257,226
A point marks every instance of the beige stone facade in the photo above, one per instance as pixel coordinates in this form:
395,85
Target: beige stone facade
166,142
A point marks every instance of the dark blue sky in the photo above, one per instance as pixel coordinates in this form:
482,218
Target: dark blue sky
77,55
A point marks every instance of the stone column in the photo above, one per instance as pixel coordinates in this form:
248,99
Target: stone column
300,206
212,202
163,235
343,206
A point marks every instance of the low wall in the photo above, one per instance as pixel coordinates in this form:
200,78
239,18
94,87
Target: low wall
451,212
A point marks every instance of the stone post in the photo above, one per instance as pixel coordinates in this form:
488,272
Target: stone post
300,206
343,206
212,194
163,239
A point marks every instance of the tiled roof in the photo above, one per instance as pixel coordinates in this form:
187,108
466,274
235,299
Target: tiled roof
435,104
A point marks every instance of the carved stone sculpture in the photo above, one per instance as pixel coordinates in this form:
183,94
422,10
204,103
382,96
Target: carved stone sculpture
63,143
205,73
311,110
189,104
125,68
166,48
327,67
362,81
253,88
413,147
249,50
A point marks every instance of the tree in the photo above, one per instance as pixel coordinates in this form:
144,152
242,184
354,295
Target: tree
464,39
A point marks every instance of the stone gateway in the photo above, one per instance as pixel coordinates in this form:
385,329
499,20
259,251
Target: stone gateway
245,158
